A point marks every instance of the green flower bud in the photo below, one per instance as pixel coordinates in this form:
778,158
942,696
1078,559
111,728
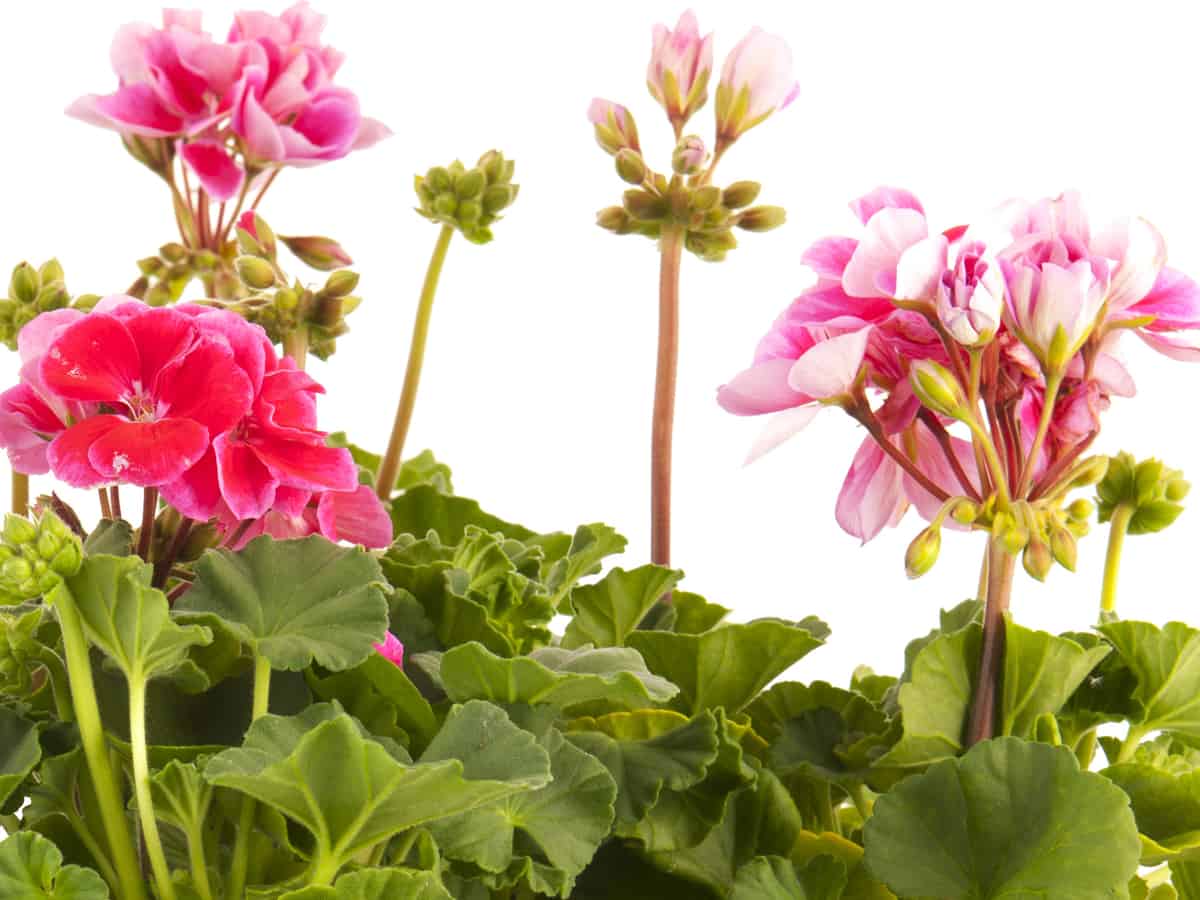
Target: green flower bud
469,212
51,270
445,205
173,252
437,180
498,197
1081,510
644,206
340,284
964,511
24,284
923,552
151,265
1063,546
15,571
706,198
762,218
938,389
48,545
689,156
1037,559
470,184
19,530
614,218
52,296
205,260
86,302
741,194
321,253
255,272
287,300
1150,492
1177,489
630,166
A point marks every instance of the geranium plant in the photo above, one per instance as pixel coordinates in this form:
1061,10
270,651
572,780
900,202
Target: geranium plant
298,669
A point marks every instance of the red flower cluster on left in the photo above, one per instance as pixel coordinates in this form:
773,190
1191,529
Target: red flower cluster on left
190,400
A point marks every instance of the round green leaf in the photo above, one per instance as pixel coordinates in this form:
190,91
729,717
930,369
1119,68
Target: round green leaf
31,869
20,751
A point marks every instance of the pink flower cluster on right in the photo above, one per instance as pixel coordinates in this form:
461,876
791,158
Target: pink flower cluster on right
1032,293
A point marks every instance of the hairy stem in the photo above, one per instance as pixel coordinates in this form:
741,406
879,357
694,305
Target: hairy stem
663,425
390,464
1053,382
162,565
20,493
295,345
146,535
982,723
241,846
141,787
1117,530
129,884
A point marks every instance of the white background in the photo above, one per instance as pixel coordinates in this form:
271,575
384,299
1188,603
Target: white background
537,389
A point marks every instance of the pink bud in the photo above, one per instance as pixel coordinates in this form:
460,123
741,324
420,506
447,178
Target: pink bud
615,128
756,80
321,253
246,222
970,298
391,649
680,66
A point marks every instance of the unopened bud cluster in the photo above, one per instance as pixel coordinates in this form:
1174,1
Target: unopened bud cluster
469,200
708,214
35,555
1152,492
165,275
32,291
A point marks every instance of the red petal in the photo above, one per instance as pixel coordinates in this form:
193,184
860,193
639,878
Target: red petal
219,174
95,359
148,454
246,484
356,516
306,465
197,492
68,453
287,398
162,336
206,386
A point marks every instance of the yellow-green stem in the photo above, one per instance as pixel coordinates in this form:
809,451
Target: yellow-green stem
141,787
20,493
1053,383
199,866
295,345
1118,528
241,846
1130,744
663,425
385,478
95,749
984,441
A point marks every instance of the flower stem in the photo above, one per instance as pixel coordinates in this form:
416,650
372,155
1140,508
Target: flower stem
141,787
241,846
20,493
114,494
1130,744
390,465
295,345
146,535
942,436
95,747
1117,530
1053,382
105,506
982,723
663,425
863,414
162,565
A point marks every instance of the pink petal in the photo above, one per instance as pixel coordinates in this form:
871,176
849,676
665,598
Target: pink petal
37,334
1141,253
920,269
831,367
247,485
1174,301
872,496
162,335
370,133
291,501
780,427
27,425
828,257
68,453
197,492
206,386
872,268
391,649
217,170
133,109
251,347
761,389
304,465
867,205
1184,349
937,468
148,454
95,359
356,516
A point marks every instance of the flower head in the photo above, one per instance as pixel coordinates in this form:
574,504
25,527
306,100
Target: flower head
680,65
756,81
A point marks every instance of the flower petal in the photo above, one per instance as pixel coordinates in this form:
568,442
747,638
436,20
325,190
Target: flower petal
148,454
196,493
247,485
761,389
872,495
357,516
94,359
218,171
779,428
313,466
872,268
68,453
831,367
206,386
884,197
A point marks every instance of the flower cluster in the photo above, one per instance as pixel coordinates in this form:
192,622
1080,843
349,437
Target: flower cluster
263,97
190,400
1009,326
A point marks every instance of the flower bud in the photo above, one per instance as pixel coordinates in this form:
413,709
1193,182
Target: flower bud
498,197
689,156
938,389
255,272
644,206
1081,510
614,125
320,253
470,184
438,180
614,218
964,511
741,193
49,271
173,252
67,561
630,166
706,198
1037,559
19,530
923,552
762,218
341,283
1063,546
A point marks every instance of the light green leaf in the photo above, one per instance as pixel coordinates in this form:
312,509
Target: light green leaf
31,869
589,545
487,743
294,601
424,508
1166,663
934,702
130,621
377,884
544,837
181,796
607,612
776,878
349,791
1041,672
647,751
1185,876
1009,819
694,614
614,676
725,667
1164,790
20,751
420,469
112,537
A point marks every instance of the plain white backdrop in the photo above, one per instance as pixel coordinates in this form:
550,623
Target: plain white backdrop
538,381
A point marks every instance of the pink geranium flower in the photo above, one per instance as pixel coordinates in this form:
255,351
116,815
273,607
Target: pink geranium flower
680,65
357,516
391,649
756,81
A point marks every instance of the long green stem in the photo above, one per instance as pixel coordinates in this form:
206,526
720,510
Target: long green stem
984,442
982,723
20,493
663,425
295,345
1117,530
241,846
199,866
385,479
1130,744
95,748
1053,383
141,787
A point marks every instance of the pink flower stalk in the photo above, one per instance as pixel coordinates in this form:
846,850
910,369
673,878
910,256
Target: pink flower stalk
680,65
756,81
391,649
614,126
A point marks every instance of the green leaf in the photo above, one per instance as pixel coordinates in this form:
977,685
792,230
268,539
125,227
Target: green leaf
775,878
112,537
1166,663
349,791
872,686
1163,785
727,666
1009,819
31,869
1041,672
423,508
616,677
130,621
1185,876
647,751
181,796
607,612
589,545
936,698
694,614
544,837
294,602
618,870
420,469
20,751
377,884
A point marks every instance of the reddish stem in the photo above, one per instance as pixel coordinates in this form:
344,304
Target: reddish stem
942,436
1062,464
162,566
863,414
982,723
114,494
149,509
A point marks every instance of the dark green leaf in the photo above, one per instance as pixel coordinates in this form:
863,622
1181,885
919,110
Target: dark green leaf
112,537
20,751
423,509
31,869
776,878
1041,672
589,545
377,884
380,695
607,612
